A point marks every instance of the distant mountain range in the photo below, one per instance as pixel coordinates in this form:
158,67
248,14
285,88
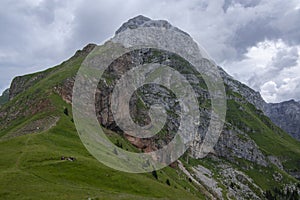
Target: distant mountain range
286,115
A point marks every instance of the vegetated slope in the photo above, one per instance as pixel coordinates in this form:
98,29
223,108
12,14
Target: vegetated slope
34,157
31,168
253,159
4,97
285,115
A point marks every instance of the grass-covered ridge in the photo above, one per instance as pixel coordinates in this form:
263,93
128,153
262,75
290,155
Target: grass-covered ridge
4,97
35,161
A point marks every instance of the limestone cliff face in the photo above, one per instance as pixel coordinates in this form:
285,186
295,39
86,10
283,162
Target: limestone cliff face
142,21
232,143
246,92
285,115
235,143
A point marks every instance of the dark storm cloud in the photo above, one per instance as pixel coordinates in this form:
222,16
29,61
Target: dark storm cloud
288,25
44,11
250,34
32,37
265,20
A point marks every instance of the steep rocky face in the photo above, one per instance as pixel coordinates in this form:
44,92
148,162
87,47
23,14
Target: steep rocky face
286,115
239,185
148,95
65,90
235,143
246,92
232,143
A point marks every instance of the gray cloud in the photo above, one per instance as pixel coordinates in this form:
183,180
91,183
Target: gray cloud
245,3
40,34
285,58
254,31
273,68
44,12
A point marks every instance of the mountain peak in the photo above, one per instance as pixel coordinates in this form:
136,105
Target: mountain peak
142,21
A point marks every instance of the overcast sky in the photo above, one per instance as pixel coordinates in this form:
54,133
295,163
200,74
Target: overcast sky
255,41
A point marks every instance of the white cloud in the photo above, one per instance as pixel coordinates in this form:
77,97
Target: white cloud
269,91
272,68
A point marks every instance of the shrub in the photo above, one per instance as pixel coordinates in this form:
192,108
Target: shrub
154,174
66,111
168,182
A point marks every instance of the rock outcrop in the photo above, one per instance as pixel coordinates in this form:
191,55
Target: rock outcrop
22,83
246,92
236,144
142,21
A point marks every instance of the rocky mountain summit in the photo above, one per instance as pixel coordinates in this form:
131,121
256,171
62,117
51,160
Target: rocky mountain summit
142,21
253,158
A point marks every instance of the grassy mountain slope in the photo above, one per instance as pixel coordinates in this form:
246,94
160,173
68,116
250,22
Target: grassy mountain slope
31,165
36,130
